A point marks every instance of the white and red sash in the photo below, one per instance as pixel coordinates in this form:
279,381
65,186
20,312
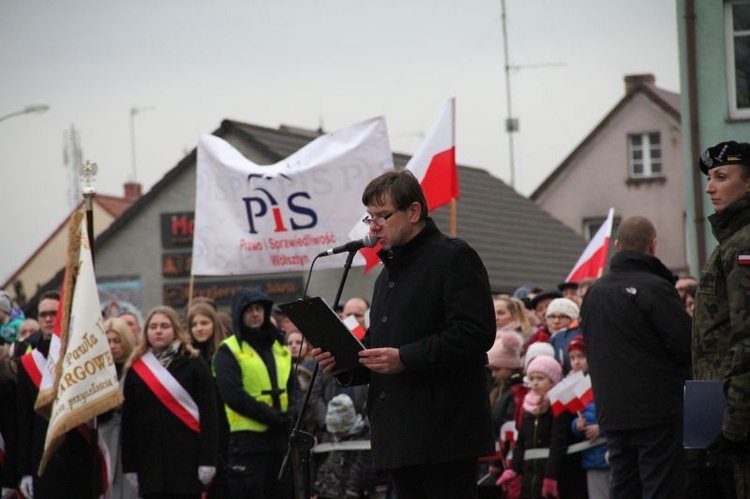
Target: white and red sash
168,390
34,363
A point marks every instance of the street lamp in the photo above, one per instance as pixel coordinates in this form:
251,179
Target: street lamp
30,109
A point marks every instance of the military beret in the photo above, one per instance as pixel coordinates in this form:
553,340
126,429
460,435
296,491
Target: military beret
724,153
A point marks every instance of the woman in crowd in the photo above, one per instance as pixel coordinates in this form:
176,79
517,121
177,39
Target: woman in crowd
207,334
510,316
205,329
721,330
121,345
169,423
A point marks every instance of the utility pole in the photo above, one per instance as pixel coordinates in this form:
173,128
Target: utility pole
133,111
511,123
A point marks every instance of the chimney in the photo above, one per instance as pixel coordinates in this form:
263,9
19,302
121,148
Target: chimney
132,190
633,81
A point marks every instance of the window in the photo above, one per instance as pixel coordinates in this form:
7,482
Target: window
645,155
737,29
592,225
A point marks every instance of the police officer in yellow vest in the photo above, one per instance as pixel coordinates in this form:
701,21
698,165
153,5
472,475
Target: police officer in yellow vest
253,374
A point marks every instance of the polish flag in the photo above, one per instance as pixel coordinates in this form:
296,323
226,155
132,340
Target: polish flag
434,166
354,326
508,433
561,395
584,391
594,258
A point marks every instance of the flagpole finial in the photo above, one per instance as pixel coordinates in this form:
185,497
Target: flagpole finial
87,172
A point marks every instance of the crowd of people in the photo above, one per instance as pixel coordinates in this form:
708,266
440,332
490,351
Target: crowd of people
453,396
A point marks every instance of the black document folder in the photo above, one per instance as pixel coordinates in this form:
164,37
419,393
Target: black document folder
320,325
704,412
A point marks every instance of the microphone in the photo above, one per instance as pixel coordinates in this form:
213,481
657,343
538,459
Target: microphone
368,241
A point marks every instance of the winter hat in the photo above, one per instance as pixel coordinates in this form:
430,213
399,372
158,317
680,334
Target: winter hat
547,366
577,344
544,295
506,352
341,419
5,302
724,153
535,350
563,306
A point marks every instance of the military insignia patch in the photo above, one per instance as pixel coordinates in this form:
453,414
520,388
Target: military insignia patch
707,283
743,259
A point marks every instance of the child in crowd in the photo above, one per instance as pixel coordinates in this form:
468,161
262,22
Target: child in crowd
345,473
11,319
506,398
563,325
594,460
539,430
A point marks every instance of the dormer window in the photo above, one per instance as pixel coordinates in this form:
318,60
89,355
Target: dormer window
645,155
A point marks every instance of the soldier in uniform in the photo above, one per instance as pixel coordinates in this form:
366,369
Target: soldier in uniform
721,330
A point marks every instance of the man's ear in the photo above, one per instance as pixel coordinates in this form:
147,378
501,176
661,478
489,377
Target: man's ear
414,212
652,247
617,245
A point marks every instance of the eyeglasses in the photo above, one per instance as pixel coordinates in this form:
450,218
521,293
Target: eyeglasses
379,220
50,313
558,317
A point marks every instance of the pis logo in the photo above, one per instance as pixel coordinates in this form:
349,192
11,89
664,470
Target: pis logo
293,212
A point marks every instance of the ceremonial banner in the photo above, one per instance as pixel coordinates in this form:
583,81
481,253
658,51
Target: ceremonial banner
253,219
86,382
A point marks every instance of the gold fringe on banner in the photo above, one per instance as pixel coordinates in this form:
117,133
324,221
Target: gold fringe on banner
45,398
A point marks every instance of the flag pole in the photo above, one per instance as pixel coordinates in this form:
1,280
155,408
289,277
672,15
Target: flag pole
454,206
190,290
87,172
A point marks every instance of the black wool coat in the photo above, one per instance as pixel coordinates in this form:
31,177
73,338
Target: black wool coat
432,302
156,444
638,344
70,468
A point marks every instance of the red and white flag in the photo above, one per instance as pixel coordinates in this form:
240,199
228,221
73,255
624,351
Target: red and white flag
584,392
561,395
355,327
434,166
594,258
508,433
434,163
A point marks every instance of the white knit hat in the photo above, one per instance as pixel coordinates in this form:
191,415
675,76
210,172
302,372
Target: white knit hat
563,306
535,350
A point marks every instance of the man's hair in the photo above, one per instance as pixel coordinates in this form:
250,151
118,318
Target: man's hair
636,234
401,186
50,295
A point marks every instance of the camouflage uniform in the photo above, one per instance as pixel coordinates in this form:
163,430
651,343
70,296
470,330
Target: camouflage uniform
721,328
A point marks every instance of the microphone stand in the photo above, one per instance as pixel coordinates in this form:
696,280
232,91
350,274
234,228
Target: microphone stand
301,442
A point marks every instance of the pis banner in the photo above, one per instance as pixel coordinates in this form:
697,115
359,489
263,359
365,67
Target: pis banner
256,219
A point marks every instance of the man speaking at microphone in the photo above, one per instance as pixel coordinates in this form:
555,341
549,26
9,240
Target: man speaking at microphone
431,322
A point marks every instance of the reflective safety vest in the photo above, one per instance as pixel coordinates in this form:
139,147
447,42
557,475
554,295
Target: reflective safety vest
257,382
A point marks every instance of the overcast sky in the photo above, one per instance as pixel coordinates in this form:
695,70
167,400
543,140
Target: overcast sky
303,63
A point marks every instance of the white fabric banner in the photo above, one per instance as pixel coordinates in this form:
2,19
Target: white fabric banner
254,219
88,380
